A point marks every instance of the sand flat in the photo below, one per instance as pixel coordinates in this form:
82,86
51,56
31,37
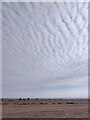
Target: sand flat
0,109
45,108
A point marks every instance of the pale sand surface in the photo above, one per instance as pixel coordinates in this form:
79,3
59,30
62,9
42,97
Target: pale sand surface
45,108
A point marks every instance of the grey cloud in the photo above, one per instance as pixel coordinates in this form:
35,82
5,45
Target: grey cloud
43,41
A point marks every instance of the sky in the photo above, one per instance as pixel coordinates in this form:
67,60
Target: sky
45,50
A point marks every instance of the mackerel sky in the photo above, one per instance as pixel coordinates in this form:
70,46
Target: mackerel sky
45,50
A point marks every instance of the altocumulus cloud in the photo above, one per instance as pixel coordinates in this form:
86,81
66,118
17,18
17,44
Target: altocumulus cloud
45,50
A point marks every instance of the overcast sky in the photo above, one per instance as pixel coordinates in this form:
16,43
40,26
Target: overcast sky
45,50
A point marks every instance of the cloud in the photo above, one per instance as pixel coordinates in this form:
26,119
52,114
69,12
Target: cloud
45,46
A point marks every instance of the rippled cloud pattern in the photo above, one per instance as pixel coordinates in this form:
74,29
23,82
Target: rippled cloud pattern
45,50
